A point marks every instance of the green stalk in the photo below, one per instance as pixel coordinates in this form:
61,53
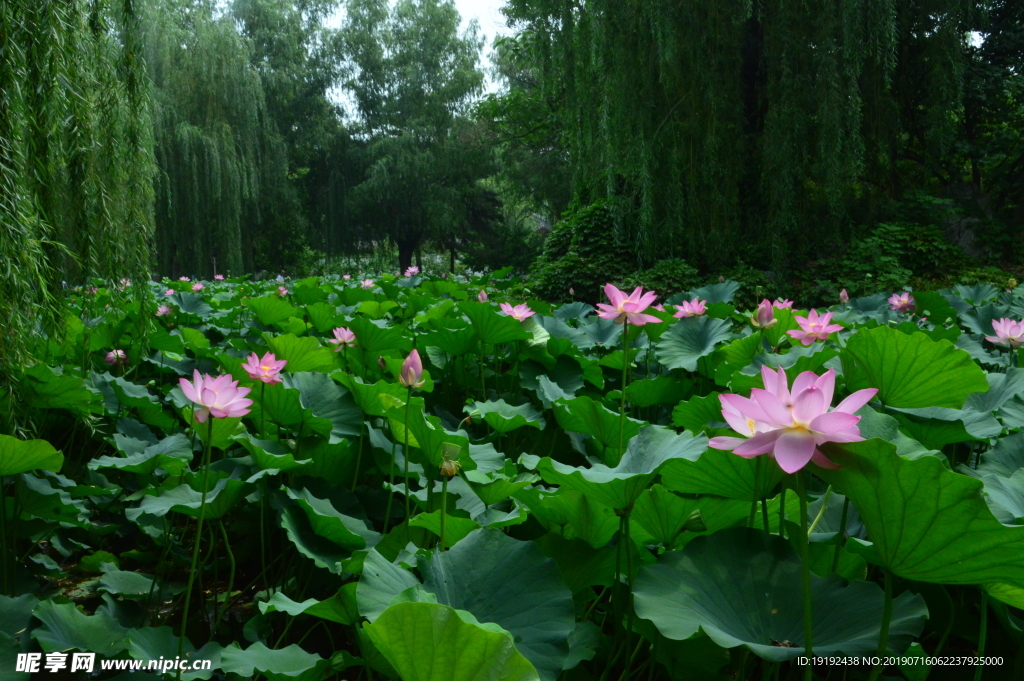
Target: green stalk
753,497
359,458
625,377
405,455
3,529
883,635
263,389
782,513
444,503
629,598
841,538
391,490
805,569
982,635
231,581
821,511
198,540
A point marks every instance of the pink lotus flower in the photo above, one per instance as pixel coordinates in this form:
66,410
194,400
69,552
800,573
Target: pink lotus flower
844,297
266,369
659,307
218,277
764,316
412,271
1008,332
219,396
521,312
482,296
412,371
183,279
170,292
902,302
346,277
163,311
343,336
116,358
366,283
790,426
691,308
814,327
198,286
628,309
92,290
571,292
783,304
282,291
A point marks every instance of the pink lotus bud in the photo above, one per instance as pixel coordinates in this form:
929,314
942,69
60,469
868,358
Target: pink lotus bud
764,316
346,277
571,292
844,297
116,358
198,286
163,311
482,296
218,277
169,292
412,371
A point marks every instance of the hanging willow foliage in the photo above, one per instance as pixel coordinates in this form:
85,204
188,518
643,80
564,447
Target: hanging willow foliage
221,191
717,129
75,157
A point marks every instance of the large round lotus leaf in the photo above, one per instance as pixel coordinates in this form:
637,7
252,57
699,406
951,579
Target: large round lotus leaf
432,642
18,456
743,587
689,339
911,371
620,486
926,522
512,584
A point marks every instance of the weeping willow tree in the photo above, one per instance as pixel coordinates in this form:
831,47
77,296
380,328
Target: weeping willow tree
223,204
75,157
760,129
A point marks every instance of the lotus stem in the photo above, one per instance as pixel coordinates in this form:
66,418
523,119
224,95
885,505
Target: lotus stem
263,414
821,511
753,497
883,634
405,454
198,540
3,528
782,513
359,458
982,635
444,504
625,377
805,570
231,581
391,486
841,537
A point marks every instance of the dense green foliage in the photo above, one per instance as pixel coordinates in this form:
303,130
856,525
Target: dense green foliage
502,517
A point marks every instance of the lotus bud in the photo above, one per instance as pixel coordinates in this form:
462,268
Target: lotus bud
412,371
116,358
482,296
844,297
381,363
764,317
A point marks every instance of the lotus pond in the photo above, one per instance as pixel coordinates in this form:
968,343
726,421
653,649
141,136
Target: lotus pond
419,482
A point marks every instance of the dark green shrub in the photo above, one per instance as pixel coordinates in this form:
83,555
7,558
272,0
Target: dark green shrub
667,277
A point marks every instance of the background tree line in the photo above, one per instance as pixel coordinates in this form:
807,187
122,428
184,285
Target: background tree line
661,138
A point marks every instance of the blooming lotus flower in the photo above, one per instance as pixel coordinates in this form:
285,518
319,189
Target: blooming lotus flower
902,302
163,311
659,307
412,371
183,279
266,369
218,277
629,308
844,297
412,271
116,358
691,308
198,286
783,304
343,336
764,316
280,278
790,426
346,277
521,312
219,396
814,327
1008,332
482,296
170,292
282,291
366,283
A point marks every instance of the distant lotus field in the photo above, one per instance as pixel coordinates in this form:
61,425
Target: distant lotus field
420,478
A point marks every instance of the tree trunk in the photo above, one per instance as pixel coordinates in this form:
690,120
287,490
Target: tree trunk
451,260
406,249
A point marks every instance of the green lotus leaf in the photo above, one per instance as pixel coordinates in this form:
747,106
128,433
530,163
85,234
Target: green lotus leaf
381,582
137,397
432,642
374,338
648,392
48,388
303,354
172,454
512,584
291,663
911,371
926,522
459,341
743,587
689,339
271,309
20,456
455,527
661,517
270,454
66,628
612,433
192,303
345,531
335,414
491,326
152,643
722,474
504,418
572,514
697,412
620,486
340,608
220,499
